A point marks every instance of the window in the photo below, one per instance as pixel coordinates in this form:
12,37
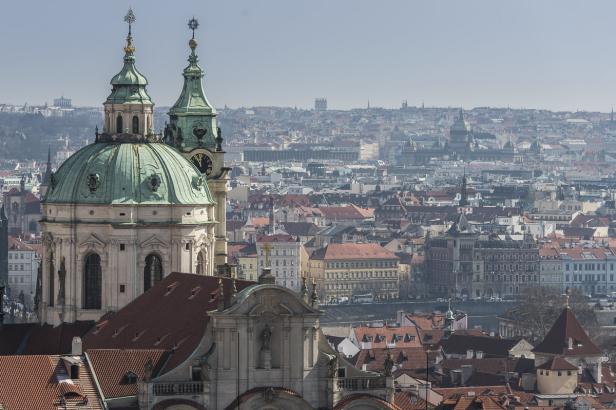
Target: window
153,271
122,247
119,125
130,378
92,289
195,373
135,124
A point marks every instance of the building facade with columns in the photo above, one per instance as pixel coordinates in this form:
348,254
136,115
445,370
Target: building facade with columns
125,211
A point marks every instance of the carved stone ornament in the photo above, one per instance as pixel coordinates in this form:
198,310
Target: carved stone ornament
154,182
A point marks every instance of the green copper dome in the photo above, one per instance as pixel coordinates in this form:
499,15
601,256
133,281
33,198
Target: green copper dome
129,85
128,173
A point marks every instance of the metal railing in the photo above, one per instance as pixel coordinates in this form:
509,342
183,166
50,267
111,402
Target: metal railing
170,389
361,383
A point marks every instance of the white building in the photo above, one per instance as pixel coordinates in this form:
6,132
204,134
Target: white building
24,260
592,270
283,254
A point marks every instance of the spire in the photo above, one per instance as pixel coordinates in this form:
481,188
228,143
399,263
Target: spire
193,118
463,192
128,86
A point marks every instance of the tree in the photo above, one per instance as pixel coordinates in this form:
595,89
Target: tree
540,307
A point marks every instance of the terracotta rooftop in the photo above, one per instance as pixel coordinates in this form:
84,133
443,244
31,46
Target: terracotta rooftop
341,251
557,363
346,212
172,315
41,382
490,346
113,368
382,337
567,329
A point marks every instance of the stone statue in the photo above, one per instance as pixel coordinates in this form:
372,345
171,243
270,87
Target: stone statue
332,367
61,281
266,337
205,369
147,370
389,364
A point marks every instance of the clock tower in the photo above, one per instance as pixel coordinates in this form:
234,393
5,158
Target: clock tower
193,131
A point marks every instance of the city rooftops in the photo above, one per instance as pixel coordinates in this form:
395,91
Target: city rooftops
352,251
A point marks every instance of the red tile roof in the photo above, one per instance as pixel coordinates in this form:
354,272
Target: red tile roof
557,363
172,315
40,382
111,367
341,251
381,337
404,358
349,212
557,340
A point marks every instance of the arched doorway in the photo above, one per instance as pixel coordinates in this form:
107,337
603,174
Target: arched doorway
92,282
153,271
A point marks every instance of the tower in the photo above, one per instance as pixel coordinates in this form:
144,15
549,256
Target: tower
193,130
463,193
128,109
46,181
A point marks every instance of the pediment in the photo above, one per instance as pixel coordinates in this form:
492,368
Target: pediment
264,299
153,242
93,241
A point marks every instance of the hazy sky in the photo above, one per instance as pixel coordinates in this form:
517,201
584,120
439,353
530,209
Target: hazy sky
555,54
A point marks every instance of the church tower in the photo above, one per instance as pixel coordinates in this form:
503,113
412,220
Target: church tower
194,132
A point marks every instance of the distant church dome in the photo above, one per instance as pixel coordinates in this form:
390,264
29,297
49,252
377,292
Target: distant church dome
128,173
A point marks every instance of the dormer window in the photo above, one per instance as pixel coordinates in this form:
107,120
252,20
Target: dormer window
130,378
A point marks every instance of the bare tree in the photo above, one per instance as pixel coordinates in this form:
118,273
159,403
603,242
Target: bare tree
540,307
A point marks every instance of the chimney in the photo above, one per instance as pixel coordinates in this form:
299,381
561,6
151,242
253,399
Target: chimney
596,370
76,348
467,372
469,354
570,343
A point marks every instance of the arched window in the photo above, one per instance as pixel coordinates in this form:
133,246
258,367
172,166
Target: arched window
153,271
51,284
119,125
135,124
201,264
92,282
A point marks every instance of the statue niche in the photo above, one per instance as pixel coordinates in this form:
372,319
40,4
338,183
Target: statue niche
266,352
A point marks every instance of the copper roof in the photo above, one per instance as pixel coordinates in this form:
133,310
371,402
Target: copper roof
564,328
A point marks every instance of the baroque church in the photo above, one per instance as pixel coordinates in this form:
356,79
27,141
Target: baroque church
130,208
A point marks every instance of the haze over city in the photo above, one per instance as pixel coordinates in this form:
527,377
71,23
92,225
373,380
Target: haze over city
538,54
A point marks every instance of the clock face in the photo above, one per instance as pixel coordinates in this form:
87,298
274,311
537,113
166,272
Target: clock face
203,163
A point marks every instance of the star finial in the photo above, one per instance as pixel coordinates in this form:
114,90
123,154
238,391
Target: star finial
193,24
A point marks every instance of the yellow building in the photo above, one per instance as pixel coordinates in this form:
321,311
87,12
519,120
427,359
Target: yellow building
344,270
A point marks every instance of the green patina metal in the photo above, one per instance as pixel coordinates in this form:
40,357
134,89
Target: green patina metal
129,85
193,118
128,173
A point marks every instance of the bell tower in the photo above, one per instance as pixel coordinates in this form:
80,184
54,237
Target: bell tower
193,130
129,108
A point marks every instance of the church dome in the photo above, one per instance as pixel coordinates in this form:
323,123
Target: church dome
147,173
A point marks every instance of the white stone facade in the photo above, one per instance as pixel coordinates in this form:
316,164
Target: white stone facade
182,237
